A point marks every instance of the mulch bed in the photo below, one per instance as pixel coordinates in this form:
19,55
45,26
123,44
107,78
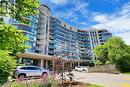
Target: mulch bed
71,84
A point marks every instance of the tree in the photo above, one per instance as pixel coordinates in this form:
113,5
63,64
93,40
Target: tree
7,64
12,39
19,8
116,52
101,53
116,48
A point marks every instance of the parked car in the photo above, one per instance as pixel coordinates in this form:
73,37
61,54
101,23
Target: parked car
81,68
29,71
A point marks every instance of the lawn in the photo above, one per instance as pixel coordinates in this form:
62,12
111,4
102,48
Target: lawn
93,85
128,73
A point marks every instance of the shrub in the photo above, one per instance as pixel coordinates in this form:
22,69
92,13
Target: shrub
7,64
98,62
32,83
123,64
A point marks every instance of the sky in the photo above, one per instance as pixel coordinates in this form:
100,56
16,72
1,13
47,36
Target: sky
113,15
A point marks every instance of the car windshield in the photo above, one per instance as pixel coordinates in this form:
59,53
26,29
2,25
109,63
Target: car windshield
78,66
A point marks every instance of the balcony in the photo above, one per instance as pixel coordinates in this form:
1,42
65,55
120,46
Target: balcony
42,26
51,46
51,37
40,49
40,43
41,37
40,32
51,42
51,32
51,51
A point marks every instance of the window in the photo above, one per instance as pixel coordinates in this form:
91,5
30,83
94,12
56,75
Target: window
70,27
78,66
64,25
24,68
36,68
30,68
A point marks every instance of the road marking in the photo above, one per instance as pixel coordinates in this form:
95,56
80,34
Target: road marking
125,85
119,84
114,83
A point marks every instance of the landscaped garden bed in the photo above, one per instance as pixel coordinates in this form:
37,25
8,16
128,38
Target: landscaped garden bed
52,83
76,84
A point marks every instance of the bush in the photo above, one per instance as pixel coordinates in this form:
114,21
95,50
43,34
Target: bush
98,62
123,64
32,83
7,64
91,64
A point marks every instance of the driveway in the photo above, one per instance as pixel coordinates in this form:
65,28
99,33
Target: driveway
104,79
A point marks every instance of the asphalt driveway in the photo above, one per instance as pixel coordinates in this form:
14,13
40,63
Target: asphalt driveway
104,79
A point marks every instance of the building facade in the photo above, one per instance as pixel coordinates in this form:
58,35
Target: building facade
50,37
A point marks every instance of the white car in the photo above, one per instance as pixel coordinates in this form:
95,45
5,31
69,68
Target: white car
81,68
29,71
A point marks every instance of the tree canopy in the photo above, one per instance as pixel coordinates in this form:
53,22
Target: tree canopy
101,53
7,64
12,39
114,51
19,8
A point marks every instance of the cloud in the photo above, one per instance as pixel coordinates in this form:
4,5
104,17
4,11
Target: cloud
59,1
125,37
72,12
75,7
116,23
103,18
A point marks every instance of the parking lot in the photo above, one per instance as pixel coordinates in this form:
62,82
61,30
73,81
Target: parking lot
104,79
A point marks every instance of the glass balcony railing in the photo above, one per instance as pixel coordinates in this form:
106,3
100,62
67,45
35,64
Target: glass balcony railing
39,49
40,42
51,46
41,32
40,37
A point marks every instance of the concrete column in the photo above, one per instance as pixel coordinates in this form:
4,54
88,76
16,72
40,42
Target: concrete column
63,65
20,60
46,64
78,63
42,63
53,64
71,64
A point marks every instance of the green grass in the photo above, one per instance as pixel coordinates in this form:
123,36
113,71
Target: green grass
93,85
128,73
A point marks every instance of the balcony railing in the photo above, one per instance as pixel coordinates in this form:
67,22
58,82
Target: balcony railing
40,42
40,32
41,37
51,46
40,49
51,52
51,37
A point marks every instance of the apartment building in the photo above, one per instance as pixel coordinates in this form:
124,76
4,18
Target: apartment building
50,37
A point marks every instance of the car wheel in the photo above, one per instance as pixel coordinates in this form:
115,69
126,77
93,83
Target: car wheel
22,77
84,70
44,74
